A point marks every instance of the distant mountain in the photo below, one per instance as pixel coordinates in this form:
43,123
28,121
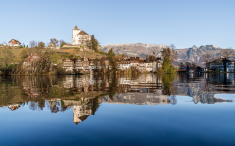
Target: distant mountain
192,54
137,49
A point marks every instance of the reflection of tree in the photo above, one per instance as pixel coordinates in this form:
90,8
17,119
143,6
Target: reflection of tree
95,105
41,104
113,87
55,106
33,105
167,80
168,89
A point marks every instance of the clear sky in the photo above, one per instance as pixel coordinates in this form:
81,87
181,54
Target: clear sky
181,22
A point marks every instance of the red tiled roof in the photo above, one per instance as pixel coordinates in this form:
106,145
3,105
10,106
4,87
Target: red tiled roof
82,33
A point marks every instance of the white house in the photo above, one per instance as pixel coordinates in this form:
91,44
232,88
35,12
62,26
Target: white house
221,64
148,66
80,37
124,64
14,42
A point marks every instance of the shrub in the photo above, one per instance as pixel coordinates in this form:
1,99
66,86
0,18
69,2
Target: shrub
23,53
54,57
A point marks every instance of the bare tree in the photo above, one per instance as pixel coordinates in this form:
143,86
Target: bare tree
62,42
181,65
33,44
170,53
226,53
188,64
54,41
172,47
208,57
194,65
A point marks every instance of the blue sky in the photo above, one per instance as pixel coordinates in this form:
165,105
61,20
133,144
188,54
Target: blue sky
181,22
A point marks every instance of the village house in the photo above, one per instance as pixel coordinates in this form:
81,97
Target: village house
51,45
80,37
221,64
134,61
85,63
27,64
91,63
14,42
141,66
199,69
98,65
159,64
118,63
68,64
106,61
148,66
124,64
78,64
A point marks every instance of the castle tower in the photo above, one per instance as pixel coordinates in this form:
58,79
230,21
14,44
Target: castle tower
75,36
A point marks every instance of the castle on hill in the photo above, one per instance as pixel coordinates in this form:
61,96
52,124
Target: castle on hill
80,37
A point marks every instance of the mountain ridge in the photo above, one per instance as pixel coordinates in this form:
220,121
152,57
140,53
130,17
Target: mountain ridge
191,54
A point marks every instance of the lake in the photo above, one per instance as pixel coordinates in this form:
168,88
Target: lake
146,109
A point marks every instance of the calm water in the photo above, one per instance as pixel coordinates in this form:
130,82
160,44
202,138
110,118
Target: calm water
186,109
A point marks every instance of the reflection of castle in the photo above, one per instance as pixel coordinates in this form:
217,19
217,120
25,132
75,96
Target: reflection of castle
82,108
80,113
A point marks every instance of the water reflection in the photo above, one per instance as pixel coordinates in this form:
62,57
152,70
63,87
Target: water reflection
85,93
204,87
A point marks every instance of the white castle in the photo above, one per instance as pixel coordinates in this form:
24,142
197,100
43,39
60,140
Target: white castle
80,37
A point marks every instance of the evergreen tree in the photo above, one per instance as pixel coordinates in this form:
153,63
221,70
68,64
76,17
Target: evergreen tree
166,64
41,45
96,62
94,43
112,59
111,54
167,67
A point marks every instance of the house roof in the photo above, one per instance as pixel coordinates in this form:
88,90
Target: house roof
29,57
67,59
82,33
199,67
91,59
14,40
222,60
134,58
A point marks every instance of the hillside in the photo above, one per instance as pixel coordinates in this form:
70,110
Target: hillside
192,54
87,53
11,61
